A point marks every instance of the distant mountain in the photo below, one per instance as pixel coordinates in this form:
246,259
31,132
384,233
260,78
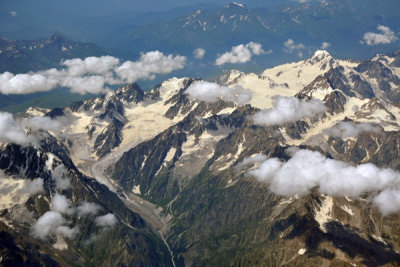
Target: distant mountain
309,23
81,21
21,56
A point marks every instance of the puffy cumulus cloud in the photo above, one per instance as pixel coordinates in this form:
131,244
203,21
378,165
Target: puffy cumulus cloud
149,65
386,36
325,45
257,158
288,109
13,13
199,53
67,232
108,220
388,201
211,92
88,208
52,223
26,83
308,170
92,74
87,84
11,131
90,240
45,123
241,53
33,187
62,205
90,65
60,175
350,129
290,46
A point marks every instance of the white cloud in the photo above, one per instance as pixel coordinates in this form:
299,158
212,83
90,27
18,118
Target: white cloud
290,46
241,53
386,36
90,65
67,232
307,170
11,131
13,13
325,45
33,187
59,174
45,123
149,65
108,220
92,74
50,224
199,53
88,208
288,109
25,83
62,205
211,92
257,158
88,84
388,201
350,129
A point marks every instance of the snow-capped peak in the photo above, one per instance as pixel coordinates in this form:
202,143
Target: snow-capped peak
323,59
320,55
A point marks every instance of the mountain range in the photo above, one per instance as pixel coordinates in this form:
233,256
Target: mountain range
21,56
216,29
309,24
295,165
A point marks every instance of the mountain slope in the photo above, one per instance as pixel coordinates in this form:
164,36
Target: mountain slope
192,169
85,240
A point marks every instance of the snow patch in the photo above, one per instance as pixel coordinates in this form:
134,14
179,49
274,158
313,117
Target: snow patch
348,210
60,243
286,201
136,189
170,155
239,5
302,251
50,161
235,157
378,238
324,213
11,192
